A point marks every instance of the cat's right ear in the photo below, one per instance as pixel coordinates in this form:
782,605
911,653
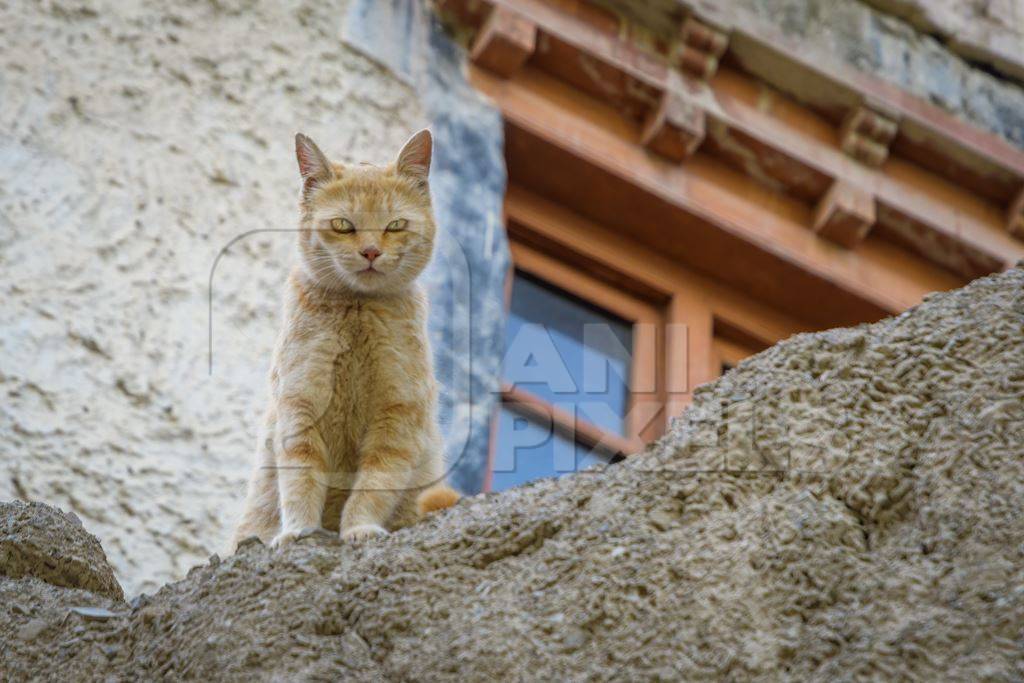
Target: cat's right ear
414,159
313,165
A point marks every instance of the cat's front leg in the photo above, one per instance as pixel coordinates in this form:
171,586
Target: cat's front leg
387,459
382,478
303,394
302,485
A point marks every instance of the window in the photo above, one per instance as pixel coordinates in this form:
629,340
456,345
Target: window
573,371
565,350
656,332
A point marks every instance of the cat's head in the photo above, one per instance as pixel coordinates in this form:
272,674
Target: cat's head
366,229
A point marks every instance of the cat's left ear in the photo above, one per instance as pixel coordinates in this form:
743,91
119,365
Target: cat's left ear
414,159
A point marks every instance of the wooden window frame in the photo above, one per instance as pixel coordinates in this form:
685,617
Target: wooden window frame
634,282
730,352
643,317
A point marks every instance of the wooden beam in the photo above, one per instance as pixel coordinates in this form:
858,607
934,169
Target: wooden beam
675,128
574,22
601,250
790,146
1015,216
505,41
704,195
961,152
866,133
569,426
702,47
689,357
845,214
584,48
728,351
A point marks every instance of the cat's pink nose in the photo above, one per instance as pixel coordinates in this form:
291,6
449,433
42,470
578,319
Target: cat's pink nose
370,253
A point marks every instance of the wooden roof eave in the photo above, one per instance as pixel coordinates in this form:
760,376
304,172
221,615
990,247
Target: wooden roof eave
941,220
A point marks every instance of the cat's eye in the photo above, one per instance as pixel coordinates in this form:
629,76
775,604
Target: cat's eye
342,225
397,225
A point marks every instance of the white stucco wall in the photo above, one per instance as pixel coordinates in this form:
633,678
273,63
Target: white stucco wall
137,140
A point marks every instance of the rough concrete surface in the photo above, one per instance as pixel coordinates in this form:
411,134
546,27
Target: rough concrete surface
845,505
48,544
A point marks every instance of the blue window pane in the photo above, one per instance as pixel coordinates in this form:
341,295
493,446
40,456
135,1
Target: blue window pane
569,353
528,450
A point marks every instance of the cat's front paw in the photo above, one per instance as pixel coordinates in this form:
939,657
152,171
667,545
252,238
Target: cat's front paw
286,538
363,531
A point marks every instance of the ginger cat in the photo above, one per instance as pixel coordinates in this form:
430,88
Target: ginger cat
351,439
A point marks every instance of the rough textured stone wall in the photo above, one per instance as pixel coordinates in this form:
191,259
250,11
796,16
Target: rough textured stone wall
990,32
895,50
965,57
138,140
845,505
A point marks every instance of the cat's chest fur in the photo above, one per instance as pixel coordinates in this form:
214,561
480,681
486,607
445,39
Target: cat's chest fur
379,356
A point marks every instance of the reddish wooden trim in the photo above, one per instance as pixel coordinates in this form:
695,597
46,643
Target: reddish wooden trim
985,152
798,148
563,274
1015,216
688,353
569,21
510,276
734,205
727,351
647,402
505,41
971,158
689,302
492,446
634,80
571,427
605,254
703,47
845,214
866,134
674,128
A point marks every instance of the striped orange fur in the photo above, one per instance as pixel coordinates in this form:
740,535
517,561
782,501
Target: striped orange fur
350,440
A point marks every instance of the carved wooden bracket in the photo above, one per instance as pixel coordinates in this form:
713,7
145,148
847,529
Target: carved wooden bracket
583,58
845,214
1015,216
674,128
867,132
505,41
703,46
